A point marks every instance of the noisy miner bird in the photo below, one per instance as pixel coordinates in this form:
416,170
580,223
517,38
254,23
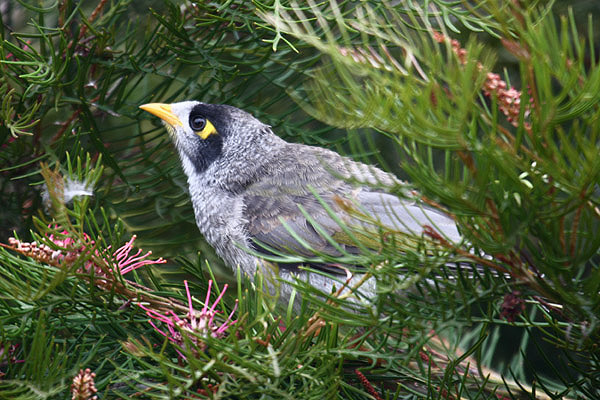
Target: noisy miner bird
252,191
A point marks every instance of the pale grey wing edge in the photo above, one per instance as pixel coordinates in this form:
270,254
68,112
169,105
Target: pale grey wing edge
406,216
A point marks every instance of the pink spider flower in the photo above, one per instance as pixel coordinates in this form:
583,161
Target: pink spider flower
127,263
196,324
69,251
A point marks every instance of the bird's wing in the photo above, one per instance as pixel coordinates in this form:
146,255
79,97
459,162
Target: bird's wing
404,216
277,218
292,221
285,209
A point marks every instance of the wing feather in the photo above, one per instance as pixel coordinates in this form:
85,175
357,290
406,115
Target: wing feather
275,206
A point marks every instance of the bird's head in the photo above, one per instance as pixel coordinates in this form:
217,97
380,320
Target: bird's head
203,133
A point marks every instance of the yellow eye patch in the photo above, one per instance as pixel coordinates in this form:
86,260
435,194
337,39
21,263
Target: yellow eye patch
201,126
209,129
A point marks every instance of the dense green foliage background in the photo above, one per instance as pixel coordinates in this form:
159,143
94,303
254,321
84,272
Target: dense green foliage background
368,79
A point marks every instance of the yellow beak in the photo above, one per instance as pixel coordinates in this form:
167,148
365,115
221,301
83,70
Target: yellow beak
162,111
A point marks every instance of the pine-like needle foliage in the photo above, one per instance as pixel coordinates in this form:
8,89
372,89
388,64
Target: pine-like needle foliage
512,312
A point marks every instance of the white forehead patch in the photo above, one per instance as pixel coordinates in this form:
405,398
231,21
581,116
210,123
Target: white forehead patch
183,109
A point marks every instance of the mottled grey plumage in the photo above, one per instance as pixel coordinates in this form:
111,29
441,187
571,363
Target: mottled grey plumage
244,181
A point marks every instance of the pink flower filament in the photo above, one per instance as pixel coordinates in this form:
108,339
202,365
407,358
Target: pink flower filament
198,324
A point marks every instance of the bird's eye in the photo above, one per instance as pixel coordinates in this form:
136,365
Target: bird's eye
197,122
